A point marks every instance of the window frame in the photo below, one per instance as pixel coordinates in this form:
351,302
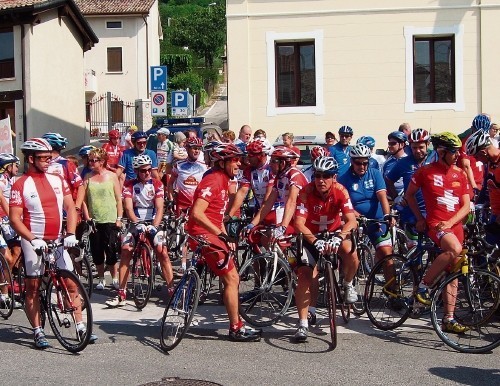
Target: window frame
410,33
121,60
13,59
114,21
272,39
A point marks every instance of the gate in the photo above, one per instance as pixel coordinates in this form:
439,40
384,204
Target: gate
107,112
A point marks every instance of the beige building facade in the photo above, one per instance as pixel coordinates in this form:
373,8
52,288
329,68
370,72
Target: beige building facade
312,66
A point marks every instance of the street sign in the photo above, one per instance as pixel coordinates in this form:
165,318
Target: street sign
158,78
180,103
159,103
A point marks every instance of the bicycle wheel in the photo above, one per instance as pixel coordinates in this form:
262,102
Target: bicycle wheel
476,298
141,277
82,269
331,303
6,289
359,281
265,291
389,292
68,305
180,310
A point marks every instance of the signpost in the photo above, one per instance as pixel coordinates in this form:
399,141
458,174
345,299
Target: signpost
180,104
158,87
159,103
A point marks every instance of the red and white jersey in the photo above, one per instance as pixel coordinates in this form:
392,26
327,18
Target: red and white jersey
165,151
143,197
213,189
41,196
114,153
258,180
189,175
292,177
323,214
69,173
5,187
442,188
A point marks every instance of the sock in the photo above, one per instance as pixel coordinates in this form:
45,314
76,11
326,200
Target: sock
303,323
37,330
347,283
183,266
80,326
237,326
312,310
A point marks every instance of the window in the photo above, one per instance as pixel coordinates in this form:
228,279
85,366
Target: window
115,59
295,74
113,24
434,69
6,53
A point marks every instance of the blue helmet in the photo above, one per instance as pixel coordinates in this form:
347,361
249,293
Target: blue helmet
346,130
481,122
56,140
398,136
85,150
367,140
138,135
7,159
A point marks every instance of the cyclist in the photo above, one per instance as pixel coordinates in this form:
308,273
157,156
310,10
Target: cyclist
370,142
368,194
319,208
37,201
114,150
316,152
397,141
139,139
143,199
206,220
340,151
164,152
446,196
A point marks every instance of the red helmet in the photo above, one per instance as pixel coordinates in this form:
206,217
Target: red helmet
319,151
194,142
419,135
258,146
224,151
283,152
114,134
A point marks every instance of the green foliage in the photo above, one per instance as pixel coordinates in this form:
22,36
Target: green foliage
177,63
187,80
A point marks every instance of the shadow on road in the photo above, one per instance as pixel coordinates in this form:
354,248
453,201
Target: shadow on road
468,375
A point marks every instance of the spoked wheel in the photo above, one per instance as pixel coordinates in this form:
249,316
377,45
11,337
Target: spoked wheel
365,260
141,276
69,311
475,298
180,310
331,303
6,289
82,269
389,292
266,289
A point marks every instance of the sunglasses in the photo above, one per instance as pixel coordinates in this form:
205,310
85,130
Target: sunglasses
43,158
452,151
145,171
141,142
361,163
345,135
391,143
94,160
275,161
233,159
322,176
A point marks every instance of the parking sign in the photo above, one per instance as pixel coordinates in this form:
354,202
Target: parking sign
180,103
159,103
158,78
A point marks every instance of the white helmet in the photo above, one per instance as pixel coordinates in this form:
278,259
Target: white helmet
360,151
141,160
326,165
36,144
477,141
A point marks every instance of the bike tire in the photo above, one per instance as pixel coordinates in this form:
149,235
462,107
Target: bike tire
141,276
180,310
63,307
476,306
6,289
360,279
264,299
388,305
331,303
83,270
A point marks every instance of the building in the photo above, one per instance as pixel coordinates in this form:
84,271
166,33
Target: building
312,66
42,44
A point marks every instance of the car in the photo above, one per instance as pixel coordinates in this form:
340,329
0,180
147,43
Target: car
305,143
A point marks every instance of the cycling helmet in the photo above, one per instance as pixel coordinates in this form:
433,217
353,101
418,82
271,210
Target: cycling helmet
284,153
224,151
398,136
7,159
367,140
481,122
56,140
194,142
346,130
209,146
85,150
446,139
35,144
138,135
419,135
477,141
113,134
360,151
141,160
259,146
319,151
326,165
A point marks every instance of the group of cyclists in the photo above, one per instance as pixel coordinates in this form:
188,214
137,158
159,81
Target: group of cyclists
433,191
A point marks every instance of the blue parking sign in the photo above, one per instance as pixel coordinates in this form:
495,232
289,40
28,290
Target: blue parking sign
158,78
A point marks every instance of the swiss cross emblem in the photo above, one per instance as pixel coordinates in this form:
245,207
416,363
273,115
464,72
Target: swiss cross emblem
206,192
448,200
301,208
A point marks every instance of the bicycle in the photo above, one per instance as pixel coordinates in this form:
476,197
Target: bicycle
82,263
7,298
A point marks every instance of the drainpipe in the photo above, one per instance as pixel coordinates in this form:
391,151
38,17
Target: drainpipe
23,81
480,29
147,54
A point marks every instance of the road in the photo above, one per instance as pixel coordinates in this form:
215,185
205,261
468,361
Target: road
216,112
128,353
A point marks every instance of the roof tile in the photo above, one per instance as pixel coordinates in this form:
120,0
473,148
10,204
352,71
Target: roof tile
6,4
107,7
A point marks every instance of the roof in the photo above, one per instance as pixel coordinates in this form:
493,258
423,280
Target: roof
8,4
114,7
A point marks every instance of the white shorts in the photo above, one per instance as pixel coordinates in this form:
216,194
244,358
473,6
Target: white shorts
33,264
129,238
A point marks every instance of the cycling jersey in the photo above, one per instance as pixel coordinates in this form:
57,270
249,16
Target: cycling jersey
258,180
363,191
213,189
40,195
5,186
67,170
282,184
493,184
388,165
126,161
165,151
189,174
373,163
143,196
323,214
114,153
341,154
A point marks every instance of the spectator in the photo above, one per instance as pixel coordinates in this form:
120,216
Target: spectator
494,134
259,134
244,137
126,140
405,128
228,136
180,152
330,140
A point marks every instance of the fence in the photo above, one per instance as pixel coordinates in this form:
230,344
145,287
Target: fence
107,112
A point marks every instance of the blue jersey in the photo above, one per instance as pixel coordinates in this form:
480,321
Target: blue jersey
126,161
373,163
389,164
342,157
363,191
